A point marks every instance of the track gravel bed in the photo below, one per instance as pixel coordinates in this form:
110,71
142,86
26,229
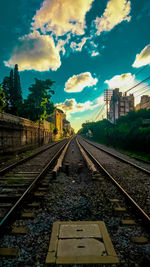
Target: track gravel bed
6,161
124,156
134,181
76,197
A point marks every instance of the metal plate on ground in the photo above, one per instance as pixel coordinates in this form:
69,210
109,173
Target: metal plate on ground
80,247
79,231
80,243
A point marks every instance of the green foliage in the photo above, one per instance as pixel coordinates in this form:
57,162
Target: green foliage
65,131
38,105
2,100
17,94
55,131
5,88
13,95
128,133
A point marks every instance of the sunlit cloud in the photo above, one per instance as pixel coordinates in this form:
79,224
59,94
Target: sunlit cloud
62,16
78,46
78,82
116,11
123,81
143,58
35,51
40,50
71,106
94,54
78,113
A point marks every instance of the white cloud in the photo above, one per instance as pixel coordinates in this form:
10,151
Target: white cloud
71,106
94,54
78,46
116,11
123,81
78,82
127,81
41,52
143,58
35,51
62,16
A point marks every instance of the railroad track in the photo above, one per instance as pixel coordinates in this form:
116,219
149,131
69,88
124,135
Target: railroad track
121,158
18,179
121,179
77,194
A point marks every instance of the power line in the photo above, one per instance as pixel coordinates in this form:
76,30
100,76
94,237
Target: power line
102,107
141,88
136,74
137,84
94,115
142,93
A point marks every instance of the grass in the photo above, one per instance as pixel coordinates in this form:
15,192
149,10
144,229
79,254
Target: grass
140,155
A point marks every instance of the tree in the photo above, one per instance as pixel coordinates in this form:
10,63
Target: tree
2,100
55,131
16,92
5,88
38,105
12,89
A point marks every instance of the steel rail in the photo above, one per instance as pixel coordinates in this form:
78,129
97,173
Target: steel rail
140,211
118,157
31,186
13,165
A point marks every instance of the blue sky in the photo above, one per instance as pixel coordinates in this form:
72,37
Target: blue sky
85,46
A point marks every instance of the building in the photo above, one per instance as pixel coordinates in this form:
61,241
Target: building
62,126
144,103
120,105
67,127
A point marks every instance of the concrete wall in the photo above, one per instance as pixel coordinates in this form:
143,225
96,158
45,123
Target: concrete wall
144,103
17,133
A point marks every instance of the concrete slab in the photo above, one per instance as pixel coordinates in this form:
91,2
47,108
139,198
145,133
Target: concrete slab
119,209
42,188
34,204
128,222
80,247
114,200
15,185
7,190
5,205
44,184
39,194
19,230
28,215
79,231
139,239
80,242
9,252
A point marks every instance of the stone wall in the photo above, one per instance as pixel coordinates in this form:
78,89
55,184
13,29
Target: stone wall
17,133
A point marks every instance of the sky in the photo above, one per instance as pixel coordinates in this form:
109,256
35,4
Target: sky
85,46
